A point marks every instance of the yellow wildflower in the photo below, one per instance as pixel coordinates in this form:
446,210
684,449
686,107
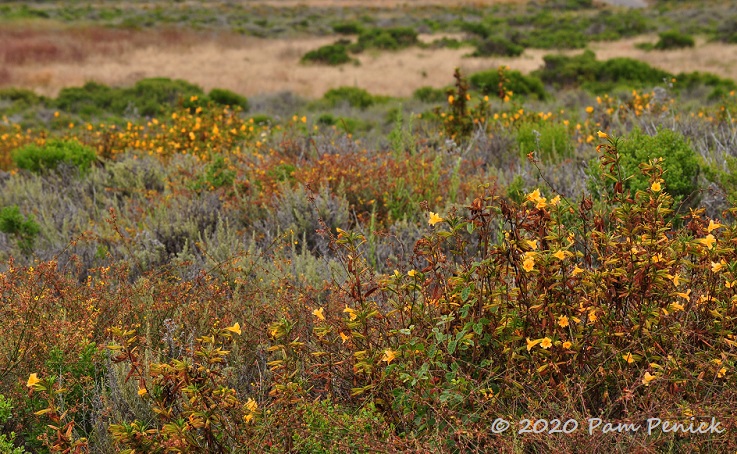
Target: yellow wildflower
546,343
532,343
32,380
389,355
567,345
675,307
561,254
532,243
717,266
676,279
319,313
351,313
722,372
708,241
142,392
648,378
629,358
577,270
589,109
602,135
593,317
713,226
344,337
655,187
411,273
451,99
236,328
528,264
563,321
434,218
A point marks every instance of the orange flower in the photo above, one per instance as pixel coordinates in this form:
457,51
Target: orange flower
236,328
563,321
434,218
32,380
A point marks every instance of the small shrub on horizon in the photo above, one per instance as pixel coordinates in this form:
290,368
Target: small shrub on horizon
674,40
331,54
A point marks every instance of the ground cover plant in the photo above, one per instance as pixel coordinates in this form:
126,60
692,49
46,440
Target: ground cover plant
190,270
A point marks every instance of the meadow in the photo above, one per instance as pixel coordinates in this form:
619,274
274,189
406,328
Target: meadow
542,234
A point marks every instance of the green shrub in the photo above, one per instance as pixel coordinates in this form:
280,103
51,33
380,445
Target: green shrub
674,40
476,28
680,160
429,94
488,83
598,76
7,442
89,100
36,158
21,96
149,97
348,28
157,95
217,174
386,38
497,45
25,230
353,96
550,141
555,38
332,54
228,98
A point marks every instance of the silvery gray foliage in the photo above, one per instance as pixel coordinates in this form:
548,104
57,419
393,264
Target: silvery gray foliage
299,210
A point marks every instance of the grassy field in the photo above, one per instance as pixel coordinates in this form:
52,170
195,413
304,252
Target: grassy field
321,227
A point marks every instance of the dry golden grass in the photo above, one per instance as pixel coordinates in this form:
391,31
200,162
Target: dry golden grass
47,59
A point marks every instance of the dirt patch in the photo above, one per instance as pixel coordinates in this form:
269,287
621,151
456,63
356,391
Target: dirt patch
60,57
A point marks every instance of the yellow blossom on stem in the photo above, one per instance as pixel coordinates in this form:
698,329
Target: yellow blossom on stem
576,271
563,321
546,343
434,218
411,273
389,355
655,187
236,328
532,343
567,345
708,241
717,266
528,264
561,254
319,313
713,226
351,313
602,135
343,337
629,358
32,380
142,392
451,99
648,378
